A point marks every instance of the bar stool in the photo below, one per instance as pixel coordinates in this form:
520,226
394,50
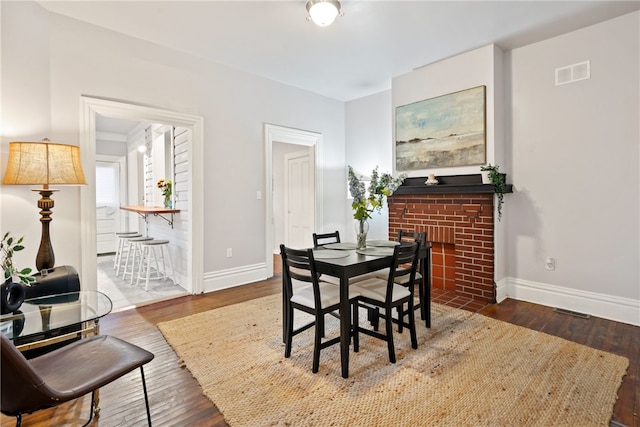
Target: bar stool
134,253
120,245
123,250
150,255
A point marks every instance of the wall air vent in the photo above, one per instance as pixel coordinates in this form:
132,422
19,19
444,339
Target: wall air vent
573,73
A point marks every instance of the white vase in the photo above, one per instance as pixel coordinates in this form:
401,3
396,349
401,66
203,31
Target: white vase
485,177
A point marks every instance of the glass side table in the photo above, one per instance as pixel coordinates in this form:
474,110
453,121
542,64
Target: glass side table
52,319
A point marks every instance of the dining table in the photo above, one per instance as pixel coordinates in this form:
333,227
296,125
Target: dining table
343,261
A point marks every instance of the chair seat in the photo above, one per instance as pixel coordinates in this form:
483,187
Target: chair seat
66,373
88,364
329,295
402,280
376,289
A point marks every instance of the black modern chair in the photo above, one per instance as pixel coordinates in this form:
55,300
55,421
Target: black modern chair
387,294
66,373
326,238
312,296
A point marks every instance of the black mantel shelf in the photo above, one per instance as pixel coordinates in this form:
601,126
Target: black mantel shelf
452,184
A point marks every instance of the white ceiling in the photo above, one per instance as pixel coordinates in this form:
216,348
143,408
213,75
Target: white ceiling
359,54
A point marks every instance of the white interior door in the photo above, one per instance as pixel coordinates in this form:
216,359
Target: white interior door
107,205
299,198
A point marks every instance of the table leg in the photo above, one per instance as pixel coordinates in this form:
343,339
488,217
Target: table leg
345,325
45,314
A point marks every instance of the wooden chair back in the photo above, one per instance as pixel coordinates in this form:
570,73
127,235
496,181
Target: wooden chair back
404,263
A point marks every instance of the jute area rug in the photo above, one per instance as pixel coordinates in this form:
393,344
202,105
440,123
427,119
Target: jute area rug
468,370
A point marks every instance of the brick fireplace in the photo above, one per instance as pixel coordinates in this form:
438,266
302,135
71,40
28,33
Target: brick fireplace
457,216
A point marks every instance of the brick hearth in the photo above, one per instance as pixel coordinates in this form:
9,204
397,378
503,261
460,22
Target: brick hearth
457,224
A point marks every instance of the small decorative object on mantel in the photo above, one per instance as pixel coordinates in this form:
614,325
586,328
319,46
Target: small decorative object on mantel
431,180
364,204
499,181
12,293
165,187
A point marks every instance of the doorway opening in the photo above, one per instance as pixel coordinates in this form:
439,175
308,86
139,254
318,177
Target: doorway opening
122,166
90,109
301,150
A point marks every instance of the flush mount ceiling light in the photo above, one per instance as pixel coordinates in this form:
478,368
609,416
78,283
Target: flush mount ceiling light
323,12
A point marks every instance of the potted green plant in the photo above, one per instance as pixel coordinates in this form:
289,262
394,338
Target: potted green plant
12,294
499,181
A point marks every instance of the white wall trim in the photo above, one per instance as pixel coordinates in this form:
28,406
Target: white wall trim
229,278
625,310
89,108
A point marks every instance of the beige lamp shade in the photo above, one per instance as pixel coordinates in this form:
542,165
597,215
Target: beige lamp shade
43,163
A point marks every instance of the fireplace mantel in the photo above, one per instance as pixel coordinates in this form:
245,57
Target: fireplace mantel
452,184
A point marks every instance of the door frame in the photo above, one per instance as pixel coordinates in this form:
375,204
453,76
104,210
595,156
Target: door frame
89,108
275,133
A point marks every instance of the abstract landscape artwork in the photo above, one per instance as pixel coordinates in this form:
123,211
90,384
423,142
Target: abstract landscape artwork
445,131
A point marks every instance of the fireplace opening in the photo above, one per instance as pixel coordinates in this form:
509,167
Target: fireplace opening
443,266
460,227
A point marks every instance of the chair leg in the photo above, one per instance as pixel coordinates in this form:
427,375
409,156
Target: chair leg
288,331
389,327
18,420
427,305
146,396
354,328
285,313
375,322
421,298
400,318
319,331
93,401
412,326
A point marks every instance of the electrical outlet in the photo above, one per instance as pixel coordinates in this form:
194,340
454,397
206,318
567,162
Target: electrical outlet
550,263
229,252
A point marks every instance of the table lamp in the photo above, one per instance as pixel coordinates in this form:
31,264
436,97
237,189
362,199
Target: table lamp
44,163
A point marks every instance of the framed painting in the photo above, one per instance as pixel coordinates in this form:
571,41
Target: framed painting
445,131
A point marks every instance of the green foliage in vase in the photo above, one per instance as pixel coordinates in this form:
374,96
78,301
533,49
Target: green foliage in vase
380,186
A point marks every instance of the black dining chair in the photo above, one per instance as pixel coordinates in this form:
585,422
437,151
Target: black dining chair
302,290
423,293
66,373
325,238
388,295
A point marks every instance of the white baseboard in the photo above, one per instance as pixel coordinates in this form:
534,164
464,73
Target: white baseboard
234,277
625,310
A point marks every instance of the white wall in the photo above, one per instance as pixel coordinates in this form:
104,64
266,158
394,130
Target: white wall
42,51
369,137
575,163
24,120
555,143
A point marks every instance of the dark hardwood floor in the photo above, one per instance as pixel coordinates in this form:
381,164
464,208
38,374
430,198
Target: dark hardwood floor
176,398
